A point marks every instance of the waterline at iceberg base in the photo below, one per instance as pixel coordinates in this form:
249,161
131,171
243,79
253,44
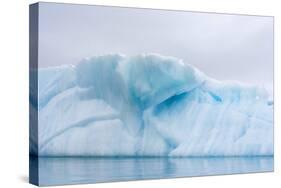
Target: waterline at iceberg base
144,109
77,170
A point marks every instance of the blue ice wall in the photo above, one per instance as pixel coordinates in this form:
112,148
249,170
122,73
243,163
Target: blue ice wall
149,105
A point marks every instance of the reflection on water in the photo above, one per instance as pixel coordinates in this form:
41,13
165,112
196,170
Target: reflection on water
54,171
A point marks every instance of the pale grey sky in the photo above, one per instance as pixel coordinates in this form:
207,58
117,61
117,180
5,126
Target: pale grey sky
225,47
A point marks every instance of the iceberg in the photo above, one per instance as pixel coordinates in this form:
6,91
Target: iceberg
148,105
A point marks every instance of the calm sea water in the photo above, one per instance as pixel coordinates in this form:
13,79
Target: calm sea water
56,171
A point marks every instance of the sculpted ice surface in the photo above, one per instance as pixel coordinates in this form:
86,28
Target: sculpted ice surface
148,105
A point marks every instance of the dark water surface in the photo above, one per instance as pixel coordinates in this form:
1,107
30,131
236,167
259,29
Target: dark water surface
57,171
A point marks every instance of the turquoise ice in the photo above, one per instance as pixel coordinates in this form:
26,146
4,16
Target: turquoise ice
148,105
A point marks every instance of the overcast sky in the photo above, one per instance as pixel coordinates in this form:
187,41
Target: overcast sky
225,47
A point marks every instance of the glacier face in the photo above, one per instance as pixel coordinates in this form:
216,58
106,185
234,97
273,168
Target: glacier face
148,105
